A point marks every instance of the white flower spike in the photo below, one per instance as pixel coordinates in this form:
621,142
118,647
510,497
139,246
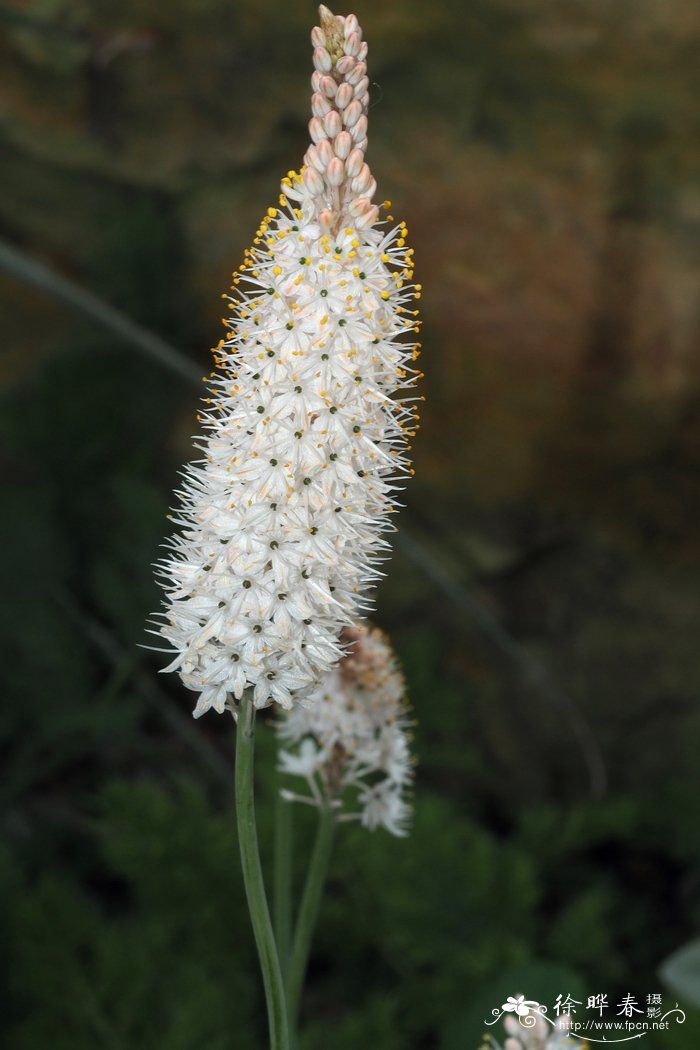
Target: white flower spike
354,735
306,426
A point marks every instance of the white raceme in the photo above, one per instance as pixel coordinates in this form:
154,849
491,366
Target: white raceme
283,518
353,737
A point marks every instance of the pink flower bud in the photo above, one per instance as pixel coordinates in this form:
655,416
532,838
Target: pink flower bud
313,181
336,172
368,219
344,65
359,207
318,37
363,51
354,162
352,44
316,80
316,130
362,180
313,160
327,85
351,25
320,104
352,114
343,96
325,218
332,123
342,144
361,88
360,129
355,75
322,60
325,152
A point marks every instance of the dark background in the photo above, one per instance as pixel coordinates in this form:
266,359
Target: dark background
544,591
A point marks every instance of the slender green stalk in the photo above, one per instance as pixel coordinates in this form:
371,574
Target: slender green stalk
308,911
282,909
46,280
253,877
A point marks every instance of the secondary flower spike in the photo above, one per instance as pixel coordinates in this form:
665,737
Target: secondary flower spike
355,735
306,428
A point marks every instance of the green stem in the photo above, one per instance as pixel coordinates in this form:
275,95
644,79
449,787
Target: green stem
282,911
308,911
46,280
253,877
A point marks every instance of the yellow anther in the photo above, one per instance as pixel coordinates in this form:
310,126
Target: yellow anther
384,295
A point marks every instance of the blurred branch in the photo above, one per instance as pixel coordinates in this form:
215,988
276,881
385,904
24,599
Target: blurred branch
531,670
537,677
28,270
105,642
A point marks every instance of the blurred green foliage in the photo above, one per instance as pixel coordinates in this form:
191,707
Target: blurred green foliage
546,156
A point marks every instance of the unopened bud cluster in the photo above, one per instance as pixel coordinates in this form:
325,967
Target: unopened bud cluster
336,176
306,429
352,739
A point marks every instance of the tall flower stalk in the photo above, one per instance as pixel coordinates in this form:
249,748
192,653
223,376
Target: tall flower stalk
351,747
305,436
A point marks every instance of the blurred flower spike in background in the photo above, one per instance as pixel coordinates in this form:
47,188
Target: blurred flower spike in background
530,1030
283,519
354,734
